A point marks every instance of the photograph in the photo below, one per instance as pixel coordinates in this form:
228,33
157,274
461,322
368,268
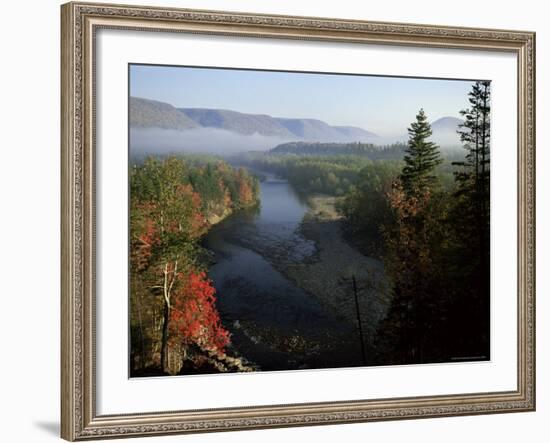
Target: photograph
279,218
288,220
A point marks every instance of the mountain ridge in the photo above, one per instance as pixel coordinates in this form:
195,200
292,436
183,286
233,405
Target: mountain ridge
147,113
242,123
153,113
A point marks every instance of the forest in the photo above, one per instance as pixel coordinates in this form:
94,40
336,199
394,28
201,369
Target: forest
424,215
368,150
332,175
335,174
174,322
434,240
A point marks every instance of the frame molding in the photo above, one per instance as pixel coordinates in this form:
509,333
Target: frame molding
79,22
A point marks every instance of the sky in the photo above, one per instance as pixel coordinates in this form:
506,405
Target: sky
384,105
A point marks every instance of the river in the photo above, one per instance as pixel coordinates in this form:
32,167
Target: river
274,323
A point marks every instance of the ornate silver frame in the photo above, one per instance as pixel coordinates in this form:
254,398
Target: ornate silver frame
80,21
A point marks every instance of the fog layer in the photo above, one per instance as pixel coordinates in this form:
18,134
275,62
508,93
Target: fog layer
157,141
200,140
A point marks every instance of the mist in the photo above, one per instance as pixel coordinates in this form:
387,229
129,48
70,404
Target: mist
157,141
448,140
145,141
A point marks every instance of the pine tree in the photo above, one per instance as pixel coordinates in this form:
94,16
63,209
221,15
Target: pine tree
421,157
473,178
470,218
473,184
412,244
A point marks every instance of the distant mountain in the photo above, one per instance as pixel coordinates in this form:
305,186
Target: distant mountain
292,128
206,129
356,133
310,129
444,131
246,124
317,130
446,124
145,113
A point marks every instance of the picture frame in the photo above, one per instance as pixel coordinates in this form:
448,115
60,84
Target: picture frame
80,176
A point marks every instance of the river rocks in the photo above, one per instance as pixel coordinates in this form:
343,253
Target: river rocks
198,360
284,279
328,274
215,217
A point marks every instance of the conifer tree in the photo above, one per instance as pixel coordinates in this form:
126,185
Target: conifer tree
412,250
470,220
421,157
473,177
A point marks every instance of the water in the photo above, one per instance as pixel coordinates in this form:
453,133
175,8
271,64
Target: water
274,323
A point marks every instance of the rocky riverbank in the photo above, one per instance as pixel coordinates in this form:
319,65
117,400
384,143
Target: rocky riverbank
328,274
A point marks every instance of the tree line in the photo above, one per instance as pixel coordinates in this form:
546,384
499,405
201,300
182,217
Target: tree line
175,325
368,150
337,174
331,175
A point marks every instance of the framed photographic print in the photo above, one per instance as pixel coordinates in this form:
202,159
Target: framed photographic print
281,221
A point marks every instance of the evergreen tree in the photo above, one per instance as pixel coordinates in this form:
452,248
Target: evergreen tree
470,218
473,178
413,252
421,157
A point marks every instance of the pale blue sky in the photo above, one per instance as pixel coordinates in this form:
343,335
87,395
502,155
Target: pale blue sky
385,105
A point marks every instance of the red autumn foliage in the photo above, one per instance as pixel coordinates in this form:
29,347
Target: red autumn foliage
194,318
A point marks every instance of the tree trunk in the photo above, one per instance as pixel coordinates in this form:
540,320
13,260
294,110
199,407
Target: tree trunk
141,333
167,289
164,346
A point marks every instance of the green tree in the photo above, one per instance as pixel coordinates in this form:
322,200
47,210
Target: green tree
413,244
421,157
469,223
473,175
366,207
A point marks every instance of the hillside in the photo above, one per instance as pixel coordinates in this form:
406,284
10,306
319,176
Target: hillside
269,131
444,131
245,124
356,133
145,113
446,124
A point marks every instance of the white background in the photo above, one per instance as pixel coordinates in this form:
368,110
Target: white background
117,394
29,221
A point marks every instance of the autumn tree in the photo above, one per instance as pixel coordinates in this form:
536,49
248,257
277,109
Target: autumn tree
165,222
194,317
172,301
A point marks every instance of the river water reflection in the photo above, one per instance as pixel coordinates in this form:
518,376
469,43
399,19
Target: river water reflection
274,323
